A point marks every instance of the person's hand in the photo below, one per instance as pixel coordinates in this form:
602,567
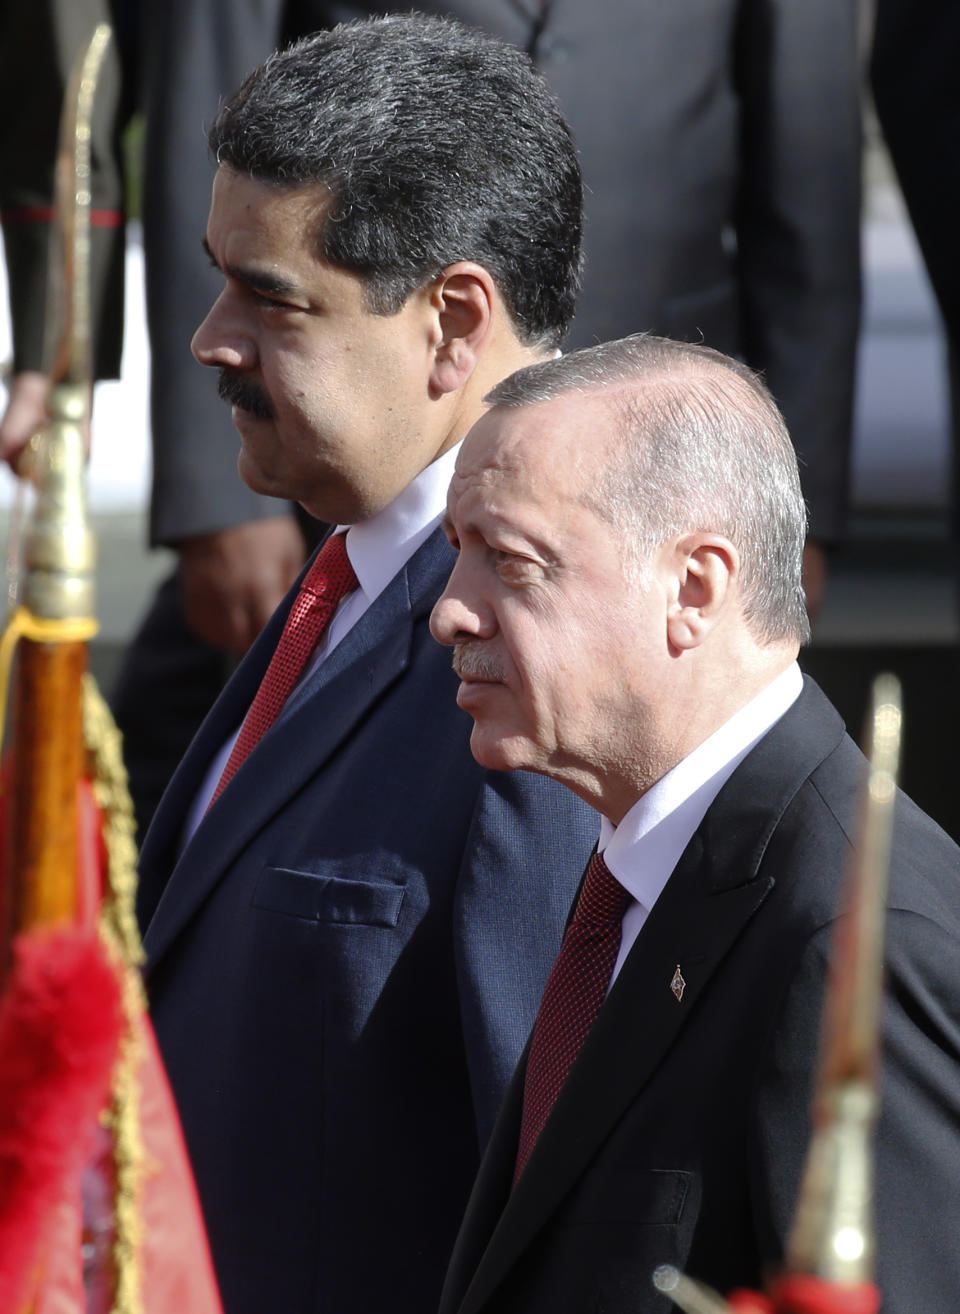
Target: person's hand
233,580
26,413
814,576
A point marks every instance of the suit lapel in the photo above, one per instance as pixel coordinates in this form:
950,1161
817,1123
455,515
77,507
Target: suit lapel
158,854
319,718
712,894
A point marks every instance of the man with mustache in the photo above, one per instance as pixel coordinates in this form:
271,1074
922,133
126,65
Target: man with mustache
245,395
626,612
342,971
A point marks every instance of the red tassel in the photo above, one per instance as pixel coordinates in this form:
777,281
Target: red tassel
803,1294
61,1020
749,1302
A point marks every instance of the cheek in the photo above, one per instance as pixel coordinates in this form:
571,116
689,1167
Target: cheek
311,410
299,379
564,684
539,689
562,652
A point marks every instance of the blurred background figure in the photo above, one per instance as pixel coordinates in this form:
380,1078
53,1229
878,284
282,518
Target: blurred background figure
916,53
37,45
721,149
892,603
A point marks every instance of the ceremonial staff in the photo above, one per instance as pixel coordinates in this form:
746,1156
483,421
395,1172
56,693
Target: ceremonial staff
63,1009
98,1210
55,620
829,1265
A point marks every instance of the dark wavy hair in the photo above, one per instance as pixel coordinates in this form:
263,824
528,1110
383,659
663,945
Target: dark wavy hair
437,143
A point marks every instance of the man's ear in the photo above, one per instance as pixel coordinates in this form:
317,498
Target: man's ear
463,300
705,568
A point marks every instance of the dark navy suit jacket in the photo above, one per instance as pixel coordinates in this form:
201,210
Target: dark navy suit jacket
345,961
680,1134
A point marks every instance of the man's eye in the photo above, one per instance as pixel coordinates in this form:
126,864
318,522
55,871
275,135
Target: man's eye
269,303
513,569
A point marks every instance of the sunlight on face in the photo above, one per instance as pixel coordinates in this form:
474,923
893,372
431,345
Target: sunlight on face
556,645
329,399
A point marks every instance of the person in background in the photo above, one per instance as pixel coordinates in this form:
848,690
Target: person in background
915,51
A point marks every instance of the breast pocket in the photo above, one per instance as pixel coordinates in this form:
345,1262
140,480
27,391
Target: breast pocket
626,1194
318,897
618,1227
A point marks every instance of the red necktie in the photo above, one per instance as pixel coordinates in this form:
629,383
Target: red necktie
576,988
328,580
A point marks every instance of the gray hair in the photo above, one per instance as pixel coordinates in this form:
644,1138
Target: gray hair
701,446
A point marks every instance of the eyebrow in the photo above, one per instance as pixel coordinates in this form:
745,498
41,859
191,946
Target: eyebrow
260,281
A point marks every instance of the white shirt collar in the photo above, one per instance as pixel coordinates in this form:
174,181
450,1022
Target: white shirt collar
646,846
378,547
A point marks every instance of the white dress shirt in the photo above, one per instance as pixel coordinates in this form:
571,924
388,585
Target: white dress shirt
377,549
646,846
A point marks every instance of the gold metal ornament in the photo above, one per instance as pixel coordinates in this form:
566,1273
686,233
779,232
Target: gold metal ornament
833,1235
59,552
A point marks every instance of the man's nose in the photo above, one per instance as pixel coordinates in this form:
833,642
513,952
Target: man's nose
459,613
220,340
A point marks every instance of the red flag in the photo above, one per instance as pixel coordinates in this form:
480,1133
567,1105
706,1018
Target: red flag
98,1208
60,1026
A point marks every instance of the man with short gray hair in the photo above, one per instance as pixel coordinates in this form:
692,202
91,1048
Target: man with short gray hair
626,613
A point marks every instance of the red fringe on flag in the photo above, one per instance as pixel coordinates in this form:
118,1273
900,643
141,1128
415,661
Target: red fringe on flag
61,1020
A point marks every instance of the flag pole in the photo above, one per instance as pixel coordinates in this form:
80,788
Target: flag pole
89,1132
55,621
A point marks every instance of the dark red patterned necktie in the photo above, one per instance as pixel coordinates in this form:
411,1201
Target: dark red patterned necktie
328,580
576,988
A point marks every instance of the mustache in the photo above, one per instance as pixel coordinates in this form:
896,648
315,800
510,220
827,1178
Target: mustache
240,391
472,659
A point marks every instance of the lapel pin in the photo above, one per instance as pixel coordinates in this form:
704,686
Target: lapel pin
677,984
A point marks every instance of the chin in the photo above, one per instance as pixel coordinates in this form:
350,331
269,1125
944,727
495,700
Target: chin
253,475
500,752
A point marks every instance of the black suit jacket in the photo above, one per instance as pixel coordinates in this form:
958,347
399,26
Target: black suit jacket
680,1134
39,41
915,53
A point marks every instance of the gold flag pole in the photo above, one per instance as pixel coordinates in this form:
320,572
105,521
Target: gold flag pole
55,621
830,1251
832,1236
76,1047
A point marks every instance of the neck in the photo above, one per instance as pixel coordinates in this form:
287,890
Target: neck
499,361
694,715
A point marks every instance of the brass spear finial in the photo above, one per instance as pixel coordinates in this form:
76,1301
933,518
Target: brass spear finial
833,1235
56,618
59,553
